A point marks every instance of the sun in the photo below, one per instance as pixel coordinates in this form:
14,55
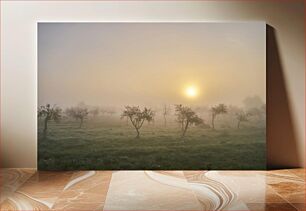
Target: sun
191,91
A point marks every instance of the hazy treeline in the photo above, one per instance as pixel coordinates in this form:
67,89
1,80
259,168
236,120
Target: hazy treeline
251,114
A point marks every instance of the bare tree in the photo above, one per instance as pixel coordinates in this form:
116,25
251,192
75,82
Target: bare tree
137,116
253,102
259,112
79,112
152,122
186,117
94,112
242,117
216,110
166,112
49,113
127,120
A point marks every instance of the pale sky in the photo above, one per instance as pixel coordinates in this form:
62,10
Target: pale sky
150,63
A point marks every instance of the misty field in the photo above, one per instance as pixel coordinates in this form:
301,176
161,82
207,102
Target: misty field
138,96
109,144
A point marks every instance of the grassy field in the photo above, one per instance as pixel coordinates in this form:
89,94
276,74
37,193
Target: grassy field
111,145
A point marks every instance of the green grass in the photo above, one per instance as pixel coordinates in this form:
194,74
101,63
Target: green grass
111,145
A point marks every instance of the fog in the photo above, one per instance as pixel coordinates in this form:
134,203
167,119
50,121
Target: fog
117,64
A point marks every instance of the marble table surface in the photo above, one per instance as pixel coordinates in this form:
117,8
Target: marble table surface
28,189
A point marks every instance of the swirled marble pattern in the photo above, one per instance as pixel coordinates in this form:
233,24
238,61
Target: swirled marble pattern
12,179
224,198
27,189
85,191
148,190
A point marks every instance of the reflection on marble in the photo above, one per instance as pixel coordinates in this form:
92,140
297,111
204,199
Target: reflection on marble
148,190
299,206
298,172
40,191
241,182
224,198
289,184
271,206
25,189
11,179
86,191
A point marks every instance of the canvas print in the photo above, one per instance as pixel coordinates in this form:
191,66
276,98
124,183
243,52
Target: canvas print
137,96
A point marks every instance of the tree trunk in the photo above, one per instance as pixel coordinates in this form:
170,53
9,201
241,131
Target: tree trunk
81,123
238,125
213,121
165,121
137,133
46,125
185,129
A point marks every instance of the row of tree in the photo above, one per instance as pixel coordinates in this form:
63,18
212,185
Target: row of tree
48,113
185,116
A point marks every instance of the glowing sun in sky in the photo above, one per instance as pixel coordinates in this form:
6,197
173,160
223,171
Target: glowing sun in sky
191,91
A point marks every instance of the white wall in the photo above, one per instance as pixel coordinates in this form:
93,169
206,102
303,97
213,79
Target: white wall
19,48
